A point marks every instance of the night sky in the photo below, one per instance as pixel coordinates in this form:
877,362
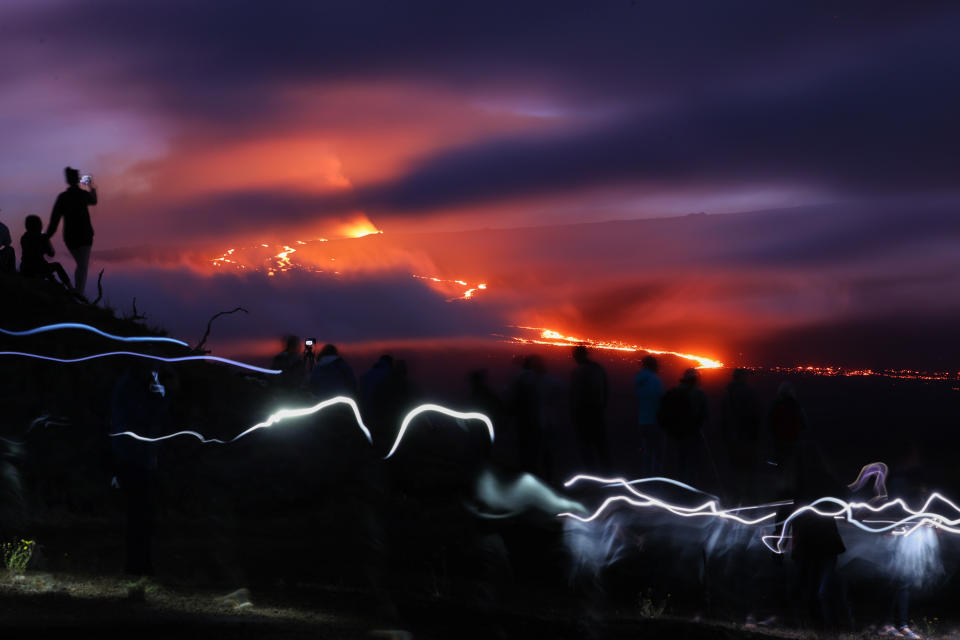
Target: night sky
830,129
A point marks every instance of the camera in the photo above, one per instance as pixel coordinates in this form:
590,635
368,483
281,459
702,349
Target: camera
309,342
86,179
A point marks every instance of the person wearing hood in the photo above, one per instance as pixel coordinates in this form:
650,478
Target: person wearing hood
332,376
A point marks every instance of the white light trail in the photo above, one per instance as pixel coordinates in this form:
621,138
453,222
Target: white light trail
285,414
470,415
85,327
208,358
916,519
279,416
905,526
707,509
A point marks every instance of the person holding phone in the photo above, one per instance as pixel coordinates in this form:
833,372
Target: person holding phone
72,205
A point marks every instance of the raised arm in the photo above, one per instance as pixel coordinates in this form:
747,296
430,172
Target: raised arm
91,193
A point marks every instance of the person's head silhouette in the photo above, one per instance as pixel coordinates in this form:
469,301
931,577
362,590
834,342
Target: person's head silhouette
72,176
33,224
328,350
691,378
580,353
650,363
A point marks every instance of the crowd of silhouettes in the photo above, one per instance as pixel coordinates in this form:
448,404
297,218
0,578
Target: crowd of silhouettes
668,437
71,207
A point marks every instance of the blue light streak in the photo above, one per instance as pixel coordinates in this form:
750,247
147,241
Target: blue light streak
85,327
207,358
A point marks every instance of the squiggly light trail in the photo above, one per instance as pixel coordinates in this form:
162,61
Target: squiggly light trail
233,363
707,509
470,415
85,327
279,416
284,414
905,526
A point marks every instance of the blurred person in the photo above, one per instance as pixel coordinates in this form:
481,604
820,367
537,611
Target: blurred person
140,404
484,399
8,257
33,247
787,421
914,562
816,541
683,414
740,426
375,400
72,206
589,394
525,405
332,376
648,389
290,363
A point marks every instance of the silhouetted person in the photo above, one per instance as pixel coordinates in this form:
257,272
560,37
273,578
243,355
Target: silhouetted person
140,402
525,405
71,206
588,403
34,245
401,395
376,386
648,389
787,421
290,363
683,414
332,376
484,399
913,563
740,426
816,541
8,257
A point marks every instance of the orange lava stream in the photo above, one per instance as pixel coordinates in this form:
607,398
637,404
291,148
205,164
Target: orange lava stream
282,262
467,295
555,338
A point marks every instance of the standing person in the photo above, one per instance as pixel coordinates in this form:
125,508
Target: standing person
376,387
290,363
740,425
588,402
683,414
332,376
787,421
8,258
914,561
34,246
524,399
71,205
816,542
485,400
139,405
648,389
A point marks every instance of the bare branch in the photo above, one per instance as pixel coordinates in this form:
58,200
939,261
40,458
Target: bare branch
136,315
206,334
99,288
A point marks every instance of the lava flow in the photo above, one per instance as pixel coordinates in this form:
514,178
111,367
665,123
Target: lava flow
554,338
283,261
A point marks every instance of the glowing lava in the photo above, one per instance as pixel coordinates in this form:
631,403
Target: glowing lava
359,228
557,339
466,295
